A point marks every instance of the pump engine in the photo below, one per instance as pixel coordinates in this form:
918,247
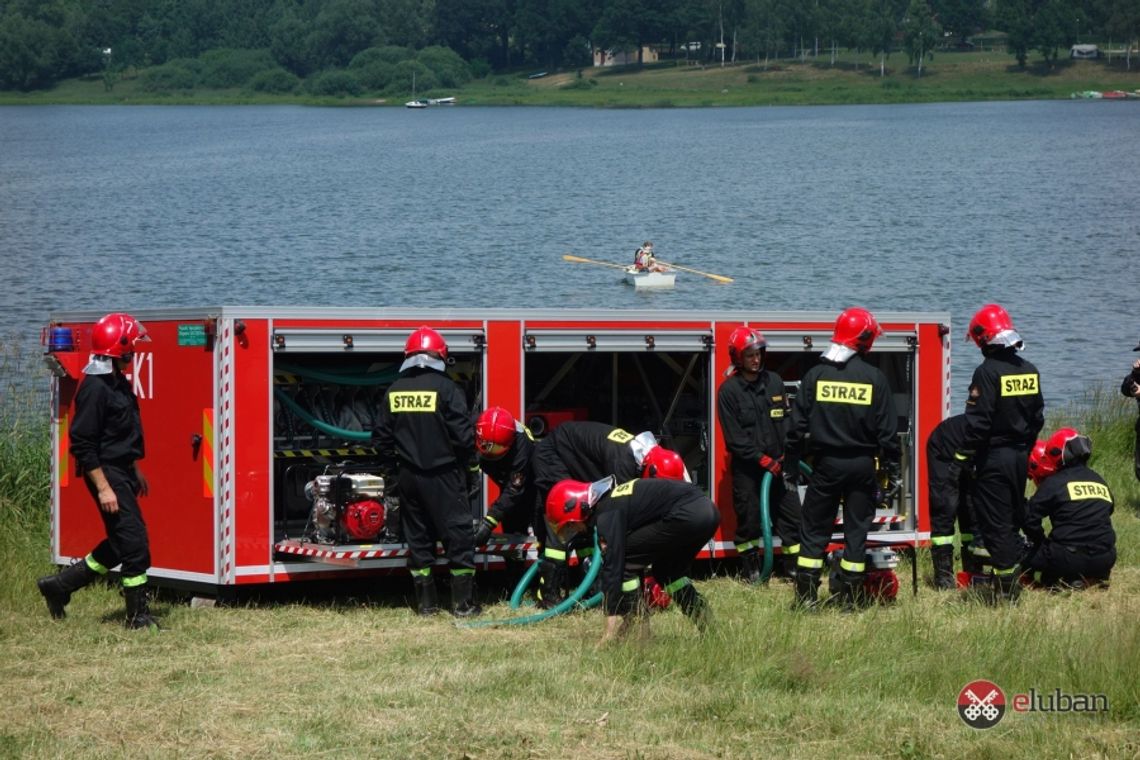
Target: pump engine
350,507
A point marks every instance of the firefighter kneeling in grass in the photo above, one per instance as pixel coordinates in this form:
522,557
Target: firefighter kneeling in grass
663,523
845,405
1080,550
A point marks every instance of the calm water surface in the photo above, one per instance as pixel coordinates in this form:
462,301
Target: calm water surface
918,207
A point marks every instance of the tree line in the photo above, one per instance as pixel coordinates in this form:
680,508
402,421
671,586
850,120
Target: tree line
277,44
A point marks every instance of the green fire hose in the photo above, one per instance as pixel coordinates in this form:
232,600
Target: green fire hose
765,520
324,427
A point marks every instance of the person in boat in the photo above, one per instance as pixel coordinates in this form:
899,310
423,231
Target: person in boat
644,260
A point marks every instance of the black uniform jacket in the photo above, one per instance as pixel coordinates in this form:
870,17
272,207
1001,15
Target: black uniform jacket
753,416
847,409
625,508
1005,406
947,439
423,421
107,427
594,450
512,474
1078,504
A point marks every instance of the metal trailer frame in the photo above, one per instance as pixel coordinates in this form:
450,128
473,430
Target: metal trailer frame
205,389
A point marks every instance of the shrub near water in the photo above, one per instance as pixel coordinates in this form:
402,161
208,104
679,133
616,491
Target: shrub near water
363,677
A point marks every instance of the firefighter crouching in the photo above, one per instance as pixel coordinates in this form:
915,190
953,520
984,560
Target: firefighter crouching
424,430
1004,414
948,478
663,523
1080,550
751,408
590,451
107,442
504,448
843,416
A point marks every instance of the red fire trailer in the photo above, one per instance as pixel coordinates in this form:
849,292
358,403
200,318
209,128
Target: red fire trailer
257,420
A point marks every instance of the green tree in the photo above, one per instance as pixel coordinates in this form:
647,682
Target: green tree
960,18
1053,28
1015,18
920,32
1122,22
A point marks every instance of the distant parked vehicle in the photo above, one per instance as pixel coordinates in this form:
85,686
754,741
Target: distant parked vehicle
1084,51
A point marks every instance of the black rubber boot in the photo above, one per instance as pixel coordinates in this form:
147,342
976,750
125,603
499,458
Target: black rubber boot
57,589
807,589
694,606
750,566
787,568
551,577
463,602
942,557
852,595
1006,588
138,609
427,602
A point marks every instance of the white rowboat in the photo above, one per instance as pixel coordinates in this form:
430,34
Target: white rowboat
645,280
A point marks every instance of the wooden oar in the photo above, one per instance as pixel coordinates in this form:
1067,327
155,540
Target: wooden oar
717,277
582,260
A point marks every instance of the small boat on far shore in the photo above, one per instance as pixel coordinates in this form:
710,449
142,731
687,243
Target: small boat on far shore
644,279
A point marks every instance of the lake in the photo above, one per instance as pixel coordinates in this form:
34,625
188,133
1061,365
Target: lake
906,207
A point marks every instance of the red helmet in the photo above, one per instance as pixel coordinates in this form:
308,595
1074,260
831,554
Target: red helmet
1040,465
494,432
742,339
856,328
660,462
1067,446
568,507
426,341
991,325
115,335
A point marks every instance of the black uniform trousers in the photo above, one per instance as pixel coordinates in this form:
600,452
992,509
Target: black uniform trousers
747,478
433,507
999,502
949,485
670,544
1061,563
836,477
126,540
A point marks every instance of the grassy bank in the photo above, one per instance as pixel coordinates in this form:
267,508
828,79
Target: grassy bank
359,675
852,78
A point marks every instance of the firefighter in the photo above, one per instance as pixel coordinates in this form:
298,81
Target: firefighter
504,447
1131,389
590,451
658,522
844,415
1004,414
424,430
1080,549
107,443
751,407
948,481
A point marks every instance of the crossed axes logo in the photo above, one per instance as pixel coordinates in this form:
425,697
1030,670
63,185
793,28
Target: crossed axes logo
981,704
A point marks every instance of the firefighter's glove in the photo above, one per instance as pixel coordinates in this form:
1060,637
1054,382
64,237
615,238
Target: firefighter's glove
771,465
483,529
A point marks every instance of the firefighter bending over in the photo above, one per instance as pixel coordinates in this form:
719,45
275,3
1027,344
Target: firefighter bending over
504,447
663,523
751,407
948,475
843,416
590,451
107,442
424,430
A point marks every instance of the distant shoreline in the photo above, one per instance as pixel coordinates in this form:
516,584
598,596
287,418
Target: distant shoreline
852,79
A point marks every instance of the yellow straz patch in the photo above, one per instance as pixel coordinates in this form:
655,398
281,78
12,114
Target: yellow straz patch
625,489
412,401
835,392
619,436
1020,385
1089,490
776,414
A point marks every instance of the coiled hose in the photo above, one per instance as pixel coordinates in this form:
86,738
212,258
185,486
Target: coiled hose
324,427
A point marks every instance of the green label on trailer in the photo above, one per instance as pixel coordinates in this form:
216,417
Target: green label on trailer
192,335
